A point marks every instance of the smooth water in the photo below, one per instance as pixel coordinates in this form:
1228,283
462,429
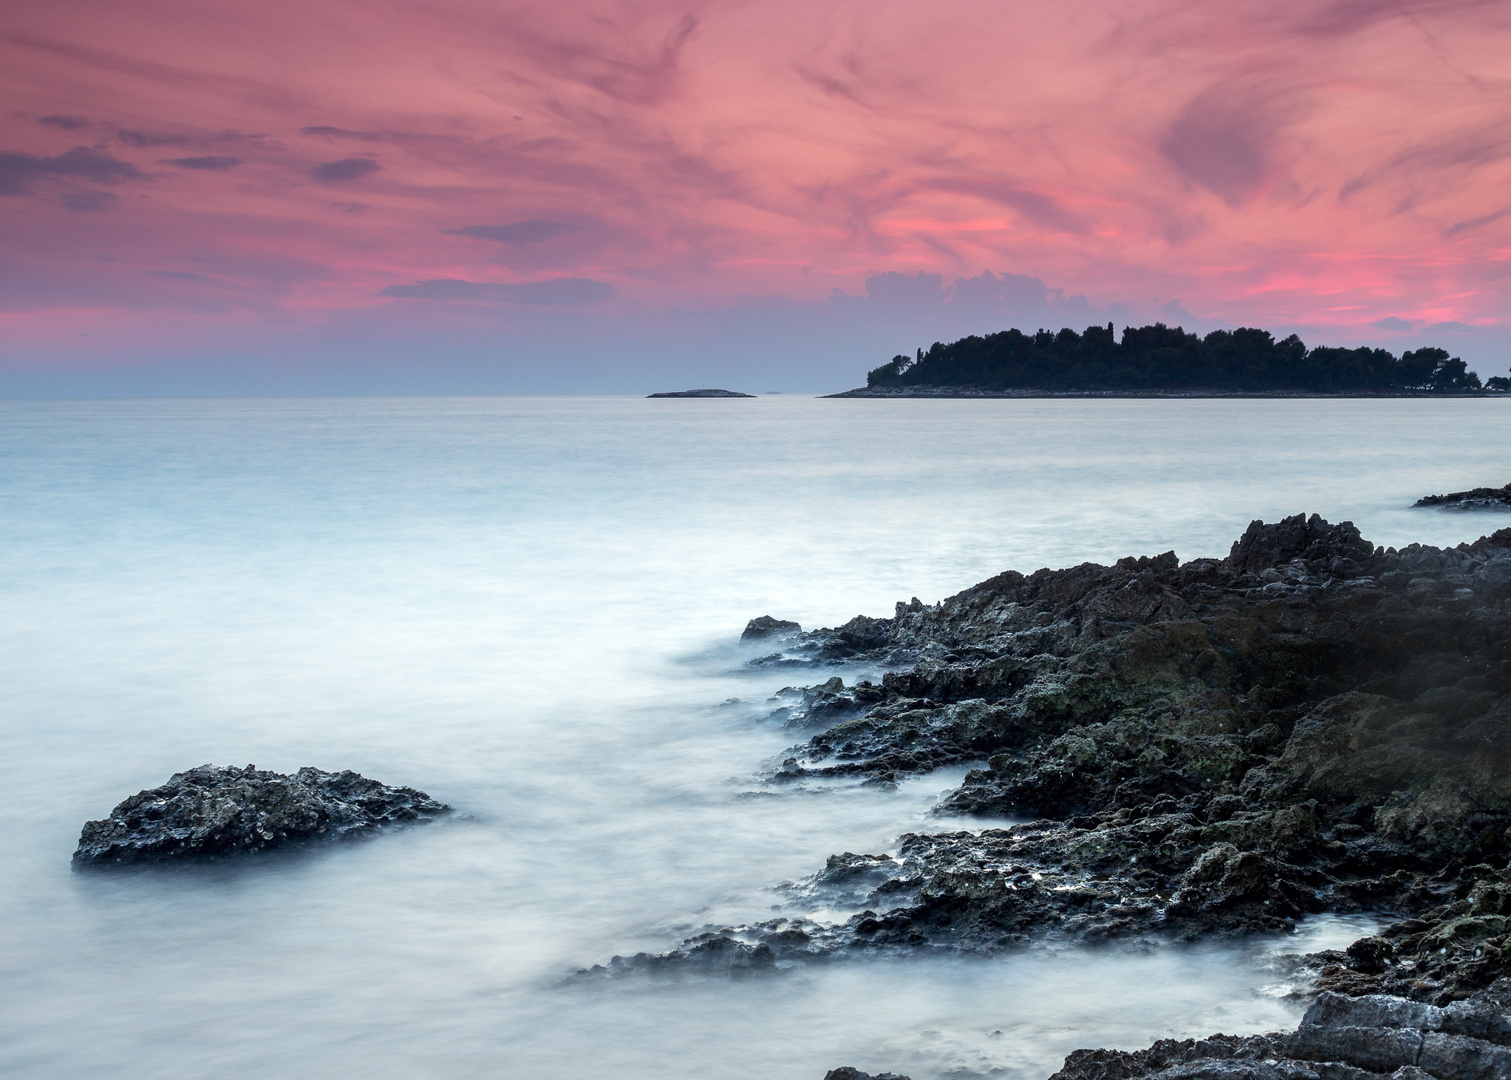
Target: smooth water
530,609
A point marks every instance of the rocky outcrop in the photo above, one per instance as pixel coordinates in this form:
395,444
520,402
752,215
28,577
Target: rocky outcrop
219,810
845,1072
1185,750
1339,1038
1474,499
822,705
765,627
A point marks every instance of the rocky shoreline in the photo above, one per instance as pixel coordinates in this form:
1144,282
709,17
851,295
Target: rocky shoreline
1339,1038
1208,749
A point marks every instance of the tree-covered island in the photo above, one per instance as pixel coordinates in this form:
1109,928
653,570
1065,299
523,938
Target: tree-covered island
1164,359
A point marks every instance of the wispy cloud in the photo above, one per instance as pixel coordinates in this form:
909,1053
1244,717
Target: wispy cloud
520,232
18,172
89,201
1344,17
1224,137
335,172
328,133
183,275
143,139
1442,161
64,123
553,292
607,56
213,162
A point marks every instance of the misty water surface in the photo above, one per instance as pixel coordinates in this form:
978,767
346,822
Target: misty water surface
530,609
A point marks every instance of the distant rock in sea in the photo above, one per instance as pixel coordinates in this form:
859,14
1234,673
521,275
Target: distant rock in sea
1474,499
700,393
218,810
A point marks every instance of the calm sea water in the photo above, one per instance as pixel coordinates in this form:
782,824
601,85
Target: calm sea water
530,608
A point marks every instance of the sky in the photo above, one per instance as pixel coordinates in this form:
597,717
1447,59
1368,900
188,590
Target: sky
615,196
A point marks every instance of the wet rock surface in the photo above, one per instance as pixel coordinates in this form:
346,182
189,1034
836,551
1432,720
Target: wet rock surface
822,705
213,811
765,627
1339,1038
1191,750
1183,751
1484,498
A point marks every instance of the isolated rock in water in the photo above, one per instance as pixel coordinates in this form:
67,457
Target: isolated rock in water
768,627
700,393
1474,499
845,1072
224,810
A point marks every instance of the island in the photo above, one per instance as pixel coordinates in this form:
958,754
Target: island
1160,360
699,393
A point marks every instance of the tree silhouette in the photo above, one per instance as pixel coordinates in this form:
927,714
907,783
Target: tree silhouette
1160,357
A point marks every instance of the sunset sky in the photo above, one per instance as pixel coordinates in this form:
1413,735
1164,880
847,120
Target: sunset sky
597,196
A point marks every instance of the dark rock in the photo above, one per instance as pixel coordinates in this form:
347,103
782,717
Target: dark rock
1339,1038
810,706
845,1072
1214,748
1188,750
1217,747
706,954
765,627
1370,955
215,810
1474,499
1311,539
699,393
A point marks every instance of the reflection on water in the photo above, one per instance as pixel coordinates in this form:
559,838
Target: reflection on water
529,608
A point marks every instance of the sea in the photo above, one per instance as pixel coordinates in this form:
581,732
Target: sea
531,608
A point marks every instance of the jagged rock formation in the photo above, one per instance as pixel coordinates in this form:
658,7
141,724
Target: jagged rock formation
1210,748
1483,498
215,810
822,705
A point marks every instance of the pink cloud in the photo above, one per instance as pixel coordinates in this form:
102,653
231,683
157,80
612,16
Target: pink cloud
1265,163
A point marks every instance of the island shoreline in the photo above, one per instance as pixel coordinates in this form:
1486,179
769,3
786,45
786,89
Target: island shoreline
967,392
